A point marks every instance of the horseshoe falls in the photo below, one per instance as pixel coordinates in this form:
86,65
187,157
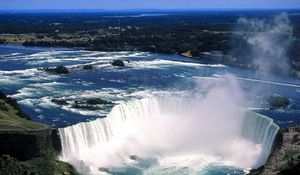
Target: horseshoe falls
169,135
168,114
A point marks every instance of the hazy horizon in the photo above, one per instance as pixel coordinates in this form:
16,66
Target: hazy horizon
145,5
153,10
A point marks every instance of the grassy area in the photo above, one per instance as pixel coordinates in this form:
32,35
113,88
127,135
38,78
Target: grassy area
34,138
290,163
290,154
291,157
21,38
17,38
9,120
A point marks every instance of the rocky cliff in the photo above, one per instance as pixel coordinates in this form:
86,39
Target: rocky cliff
27,147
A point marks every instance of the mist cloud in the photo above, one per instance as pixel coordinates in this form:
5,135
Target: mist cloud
163,131
269,40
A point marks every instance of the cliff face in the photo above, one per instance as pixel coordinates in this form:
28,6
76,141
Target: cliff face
32,152
55,138
25,145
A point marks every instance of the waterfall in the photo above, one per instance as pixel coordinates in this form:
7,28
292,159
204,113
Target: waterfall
77,138
262,130
169,126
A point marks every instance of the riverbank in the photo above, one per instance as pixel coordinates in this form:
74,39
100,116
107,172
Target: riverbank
28,147
285,158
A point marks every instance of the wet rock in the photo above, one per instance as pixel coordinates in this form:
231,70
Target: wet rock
133,157
102,169
97,101
276,101
118,63
88,67
58,70
86,107
60,102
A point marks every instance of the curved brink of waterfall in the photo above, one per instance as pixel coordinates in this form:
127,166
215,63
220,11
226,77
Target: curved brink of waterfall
163,131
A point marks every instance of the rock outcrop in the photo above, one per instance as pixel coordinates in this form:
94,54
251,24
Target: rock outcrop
118,63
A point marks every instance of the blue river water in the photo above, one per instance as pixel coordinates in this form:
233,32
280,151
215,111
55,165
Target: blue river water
144,75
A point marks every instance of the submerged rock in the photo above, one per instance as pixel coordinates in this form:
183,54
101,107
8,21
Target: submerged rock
118,63
97,101
133,157
276,101
58,70
86,107
88,67
60,102
91,104
102,169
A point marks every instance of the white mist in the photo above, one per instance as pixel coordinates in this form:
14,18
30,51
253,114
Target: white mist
169,133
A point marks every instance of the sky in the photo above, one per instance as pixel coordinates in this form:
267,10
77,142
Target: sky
147,4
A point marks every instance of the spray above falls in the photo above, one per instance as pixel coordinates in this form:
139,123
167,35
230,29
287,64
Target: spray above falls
154,135
264,43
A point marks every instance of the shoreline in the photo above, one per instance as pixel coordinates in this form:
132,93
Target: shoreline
285,157
28,147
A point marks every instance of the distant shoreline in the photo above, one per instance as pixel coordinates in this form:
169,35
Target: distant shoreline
148,10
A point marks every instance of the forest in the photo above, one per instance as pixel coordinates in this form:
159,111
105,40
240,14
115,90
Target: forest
168,32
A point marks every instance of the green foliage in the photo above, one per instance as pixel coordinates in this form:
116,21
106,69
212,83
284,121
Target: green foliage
43,160
10,119
290,153
36,166
175,33
178,32
9,166
3,106
13,102
291,168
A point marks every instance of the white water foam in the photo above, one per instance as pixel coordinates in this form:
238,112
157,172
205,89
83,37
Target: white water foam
161,63
168,131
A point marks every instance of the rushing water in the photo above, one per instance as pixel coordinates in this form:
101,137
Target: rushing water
165,131
152,77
